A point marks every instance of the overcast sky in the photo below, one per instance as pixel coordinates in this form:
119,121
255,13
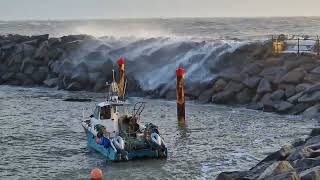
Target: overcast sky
88,9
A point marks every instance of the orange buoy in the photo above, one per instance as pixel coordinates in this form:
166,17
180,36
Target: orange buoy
96,174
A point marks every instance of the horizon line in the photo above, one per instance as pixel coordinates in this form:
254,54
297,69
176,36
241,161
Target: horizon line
157,18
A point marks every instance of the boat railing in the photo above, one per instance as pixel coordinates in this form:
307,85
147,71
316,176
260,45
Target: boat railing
137,109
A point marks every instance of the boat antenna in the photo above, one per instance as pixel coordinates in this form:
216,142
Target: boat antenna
113,79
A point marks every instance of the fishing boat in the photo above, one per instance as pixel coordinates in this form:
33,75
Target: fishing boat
120,136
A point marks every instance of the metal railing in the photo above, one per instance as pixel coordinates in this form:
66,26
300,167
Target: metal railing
296,44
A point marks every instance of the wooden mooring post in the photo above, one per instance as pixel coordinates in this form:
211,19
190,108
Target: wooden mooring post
180,95
121,83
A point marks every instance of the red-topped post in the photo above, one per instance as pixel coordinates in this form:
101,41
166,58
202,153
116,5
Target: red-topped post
121,83
180,95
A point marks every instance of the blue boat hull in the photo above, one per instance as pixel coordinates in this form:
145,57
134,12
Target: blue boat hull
111,155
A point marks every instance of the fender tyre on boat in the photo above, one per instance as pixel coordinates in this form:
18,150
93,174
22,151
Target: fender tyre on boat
163,153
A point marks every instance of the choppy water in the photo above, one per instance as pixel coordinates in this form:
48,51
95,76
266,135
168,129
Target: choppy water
197,28
41,138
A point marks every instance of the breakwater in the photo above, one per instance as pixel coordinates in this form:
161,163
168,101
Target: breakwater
225,72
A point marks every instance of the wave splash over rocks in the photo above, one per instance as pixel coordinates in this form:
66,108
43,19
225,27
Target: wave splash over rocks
82,62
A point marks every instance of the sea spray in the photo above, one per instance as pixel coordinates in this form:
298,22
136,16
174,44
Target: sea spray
83,62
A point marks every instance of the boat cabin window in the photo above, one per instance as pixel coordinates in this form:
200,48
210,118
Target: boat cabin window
105,112
96,113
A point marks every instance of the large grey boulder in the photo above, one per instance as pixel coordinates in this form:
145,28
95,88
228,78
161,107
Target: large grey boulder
80,77
282,106
193,90
294,99
313,88
228,93
303,86
21,77
7,76
55,53
40,38
266,99
311,97
28,69
299,153
273,74
295,76
54,42
309,66
7,46
106,69
96,56
3,69
219,85
65,68
231,175
234,86
252,69
93,77
24,49
264,86
244,96
276,168
99,86
39,76
232,74
32,42
268,104
310,174
312,111
28,82
313,140
28,50
289,89
316,70
29,62
255,106
72,46
252,82
2,56
312,78
272,62
285,176
279,155
42,52
205,96
15,58
315,132
277,95
306,163
292,64
222,97
71,38
299,108
51,82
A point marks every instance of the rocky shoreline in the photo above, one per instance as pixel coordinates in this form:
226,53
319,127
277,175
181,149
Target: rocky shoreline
250,76
297,161
52,62
287,84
